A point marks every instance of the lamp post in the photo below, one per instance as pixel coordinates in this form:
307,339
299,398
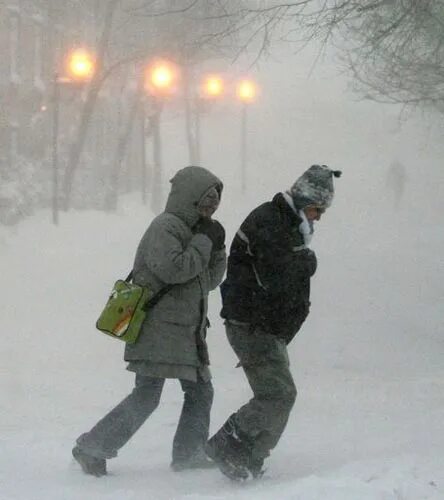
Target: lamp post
211,89
55,152
160,82
246,92
79,68
143,148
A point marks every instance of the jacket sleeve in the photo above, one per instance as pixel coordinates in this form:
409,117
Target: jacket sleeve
217,266
167,258
280,266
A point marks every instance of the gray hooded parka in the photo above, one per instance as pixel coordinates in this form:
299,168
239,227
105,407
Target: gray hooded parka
172,341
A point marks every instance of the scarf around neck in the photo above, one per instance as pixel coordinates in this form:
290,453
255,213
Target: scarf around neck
305,227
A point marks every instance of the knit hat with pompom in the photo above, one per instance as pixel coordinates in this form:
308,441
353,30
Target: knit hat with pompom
314,187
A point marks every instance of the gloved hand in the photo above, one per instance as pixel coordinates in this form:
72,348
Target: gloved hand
312,261
214,230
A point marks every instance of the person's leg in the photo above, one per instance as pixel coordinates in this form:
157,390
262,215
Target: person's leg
263,419
193,427
248,435
121,423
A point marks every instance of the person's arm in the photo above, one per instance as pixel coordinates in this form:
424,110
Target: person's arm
217,266
280,265
168,260
216,232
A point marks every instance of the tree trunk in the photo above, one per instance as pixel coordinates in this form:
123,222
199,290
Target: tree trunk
113,193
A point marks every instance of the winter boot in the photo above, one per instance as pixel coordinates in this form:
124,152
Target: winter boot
230,451
255,466
90,465
198,460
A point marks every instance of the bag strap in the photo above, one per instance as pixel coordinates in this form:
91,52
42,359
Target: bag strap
154,300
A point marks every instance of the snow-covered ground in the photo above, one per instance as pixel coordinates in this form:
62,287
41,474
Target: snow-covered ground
369,418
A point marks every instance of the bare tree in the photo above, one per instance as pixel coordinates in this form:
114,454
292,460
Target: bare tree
399,53
90,101
180,31
188,32
394,48
134,30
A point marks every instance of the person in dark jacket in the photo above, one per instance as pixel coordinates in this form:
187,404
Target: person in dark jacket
183,247
266,299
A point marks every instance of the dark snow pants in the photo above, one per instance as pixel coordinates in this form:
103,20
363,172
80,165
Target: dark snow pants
264,359
121,423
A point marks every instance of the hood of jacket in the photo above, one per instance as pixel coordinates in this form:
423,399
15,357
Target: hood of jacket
187,188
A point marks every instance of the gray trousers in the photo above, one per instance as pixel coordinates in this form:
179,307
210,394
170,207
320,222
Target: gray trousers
264,359
121,423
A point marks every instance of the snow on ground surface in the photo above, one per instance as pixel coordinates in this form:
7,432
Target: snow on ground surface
368,364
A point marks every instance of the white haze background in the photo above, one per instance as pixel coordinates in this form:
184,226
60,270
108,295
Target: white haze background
368,421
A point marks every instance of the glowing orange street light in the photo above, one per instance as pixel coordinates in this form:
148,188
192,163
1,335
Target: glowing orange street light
161,77
246,91
213,86
80,65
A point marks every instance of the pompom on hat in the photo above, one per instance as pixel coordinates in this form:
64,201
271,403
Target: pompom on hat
314,187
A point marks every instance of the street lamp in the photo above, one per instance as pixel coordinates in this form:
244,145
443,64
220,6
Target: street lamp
161,78
246,93
79,68
212,87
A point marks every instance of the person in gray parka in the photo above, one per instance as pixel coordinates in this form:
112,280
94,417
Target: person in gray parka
183,247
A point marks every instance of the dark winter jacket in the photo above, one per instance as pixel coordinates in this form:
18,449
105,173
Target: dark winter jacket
269,270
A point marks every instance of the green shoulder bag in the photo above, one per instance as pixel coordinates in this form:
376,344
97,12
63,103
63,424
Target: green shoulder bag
126,309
